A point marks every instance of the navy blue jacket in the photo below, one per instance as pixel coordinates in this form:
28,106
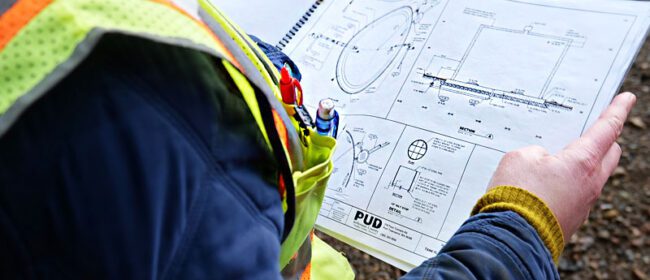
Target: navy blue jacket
142,164
490,246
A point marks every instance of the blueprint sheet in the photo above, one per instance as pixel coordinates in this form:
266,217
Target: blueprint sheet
434,92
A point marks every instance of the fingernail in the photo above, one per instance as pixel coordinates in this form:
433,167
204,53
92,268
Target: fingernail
630,95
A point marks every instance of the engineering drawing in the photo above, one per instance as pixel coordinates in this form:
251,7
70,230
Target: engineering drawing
417,149
375,47
357,154
466,80
404,179
434,93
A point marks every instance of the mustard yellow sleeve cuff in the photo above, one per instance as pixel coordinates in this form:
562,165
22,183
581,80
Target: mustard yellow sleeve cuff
531,208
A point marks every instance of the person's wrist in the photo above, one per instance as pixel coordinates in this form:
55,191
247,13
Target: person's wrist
530,207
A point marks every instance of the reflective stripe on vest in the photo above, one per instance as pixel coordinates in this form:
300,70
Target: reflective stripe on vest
42,42
301,260
49,39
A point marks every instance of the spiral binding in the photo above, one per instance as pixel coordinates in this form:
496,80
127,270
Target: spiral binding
296,27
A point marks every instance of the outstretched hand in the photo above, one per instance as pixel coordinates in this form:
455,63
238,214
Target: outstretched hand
570,181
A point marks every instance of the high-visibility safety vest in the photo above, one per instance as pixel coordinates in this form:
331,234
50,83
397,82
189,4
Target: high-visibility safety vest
42,41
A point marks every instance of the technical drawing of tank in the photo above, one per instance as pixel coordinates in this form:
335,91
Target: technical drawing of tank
372,50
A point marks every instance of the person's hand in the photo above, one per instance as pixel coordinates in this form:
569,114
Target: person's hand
571,181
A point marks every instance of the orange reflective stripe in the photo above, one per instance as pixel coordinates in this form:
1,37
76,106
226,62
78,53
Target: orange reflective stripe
281,187
23,11
306,275
222,47
18,16
284,138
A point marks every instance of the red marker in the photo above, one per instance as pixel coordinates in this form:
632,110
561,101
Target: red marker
290,88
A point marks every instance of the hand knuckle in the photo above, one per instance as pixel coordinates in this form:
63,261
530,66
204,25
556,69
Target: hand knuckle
587,161
615,124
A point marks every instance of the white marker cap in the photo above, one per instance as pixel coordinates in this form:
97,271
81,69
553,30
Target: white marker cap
326,109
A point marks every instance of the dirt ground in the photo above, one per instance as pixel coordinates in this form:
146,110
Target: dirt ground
615,242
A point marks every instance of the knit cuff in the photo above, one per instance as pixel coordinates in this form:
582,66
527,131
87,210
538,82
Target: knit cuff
531,208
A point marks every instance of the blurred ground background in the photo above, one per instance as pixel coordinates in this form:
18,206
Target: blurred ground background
615,242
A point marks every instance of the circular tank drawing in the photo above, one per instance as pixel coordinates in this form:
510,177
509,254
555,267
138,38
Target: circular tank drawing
372,50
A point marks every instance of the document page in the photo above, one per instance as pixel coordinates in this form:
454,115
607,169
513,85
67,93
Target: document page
268,20
433,93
